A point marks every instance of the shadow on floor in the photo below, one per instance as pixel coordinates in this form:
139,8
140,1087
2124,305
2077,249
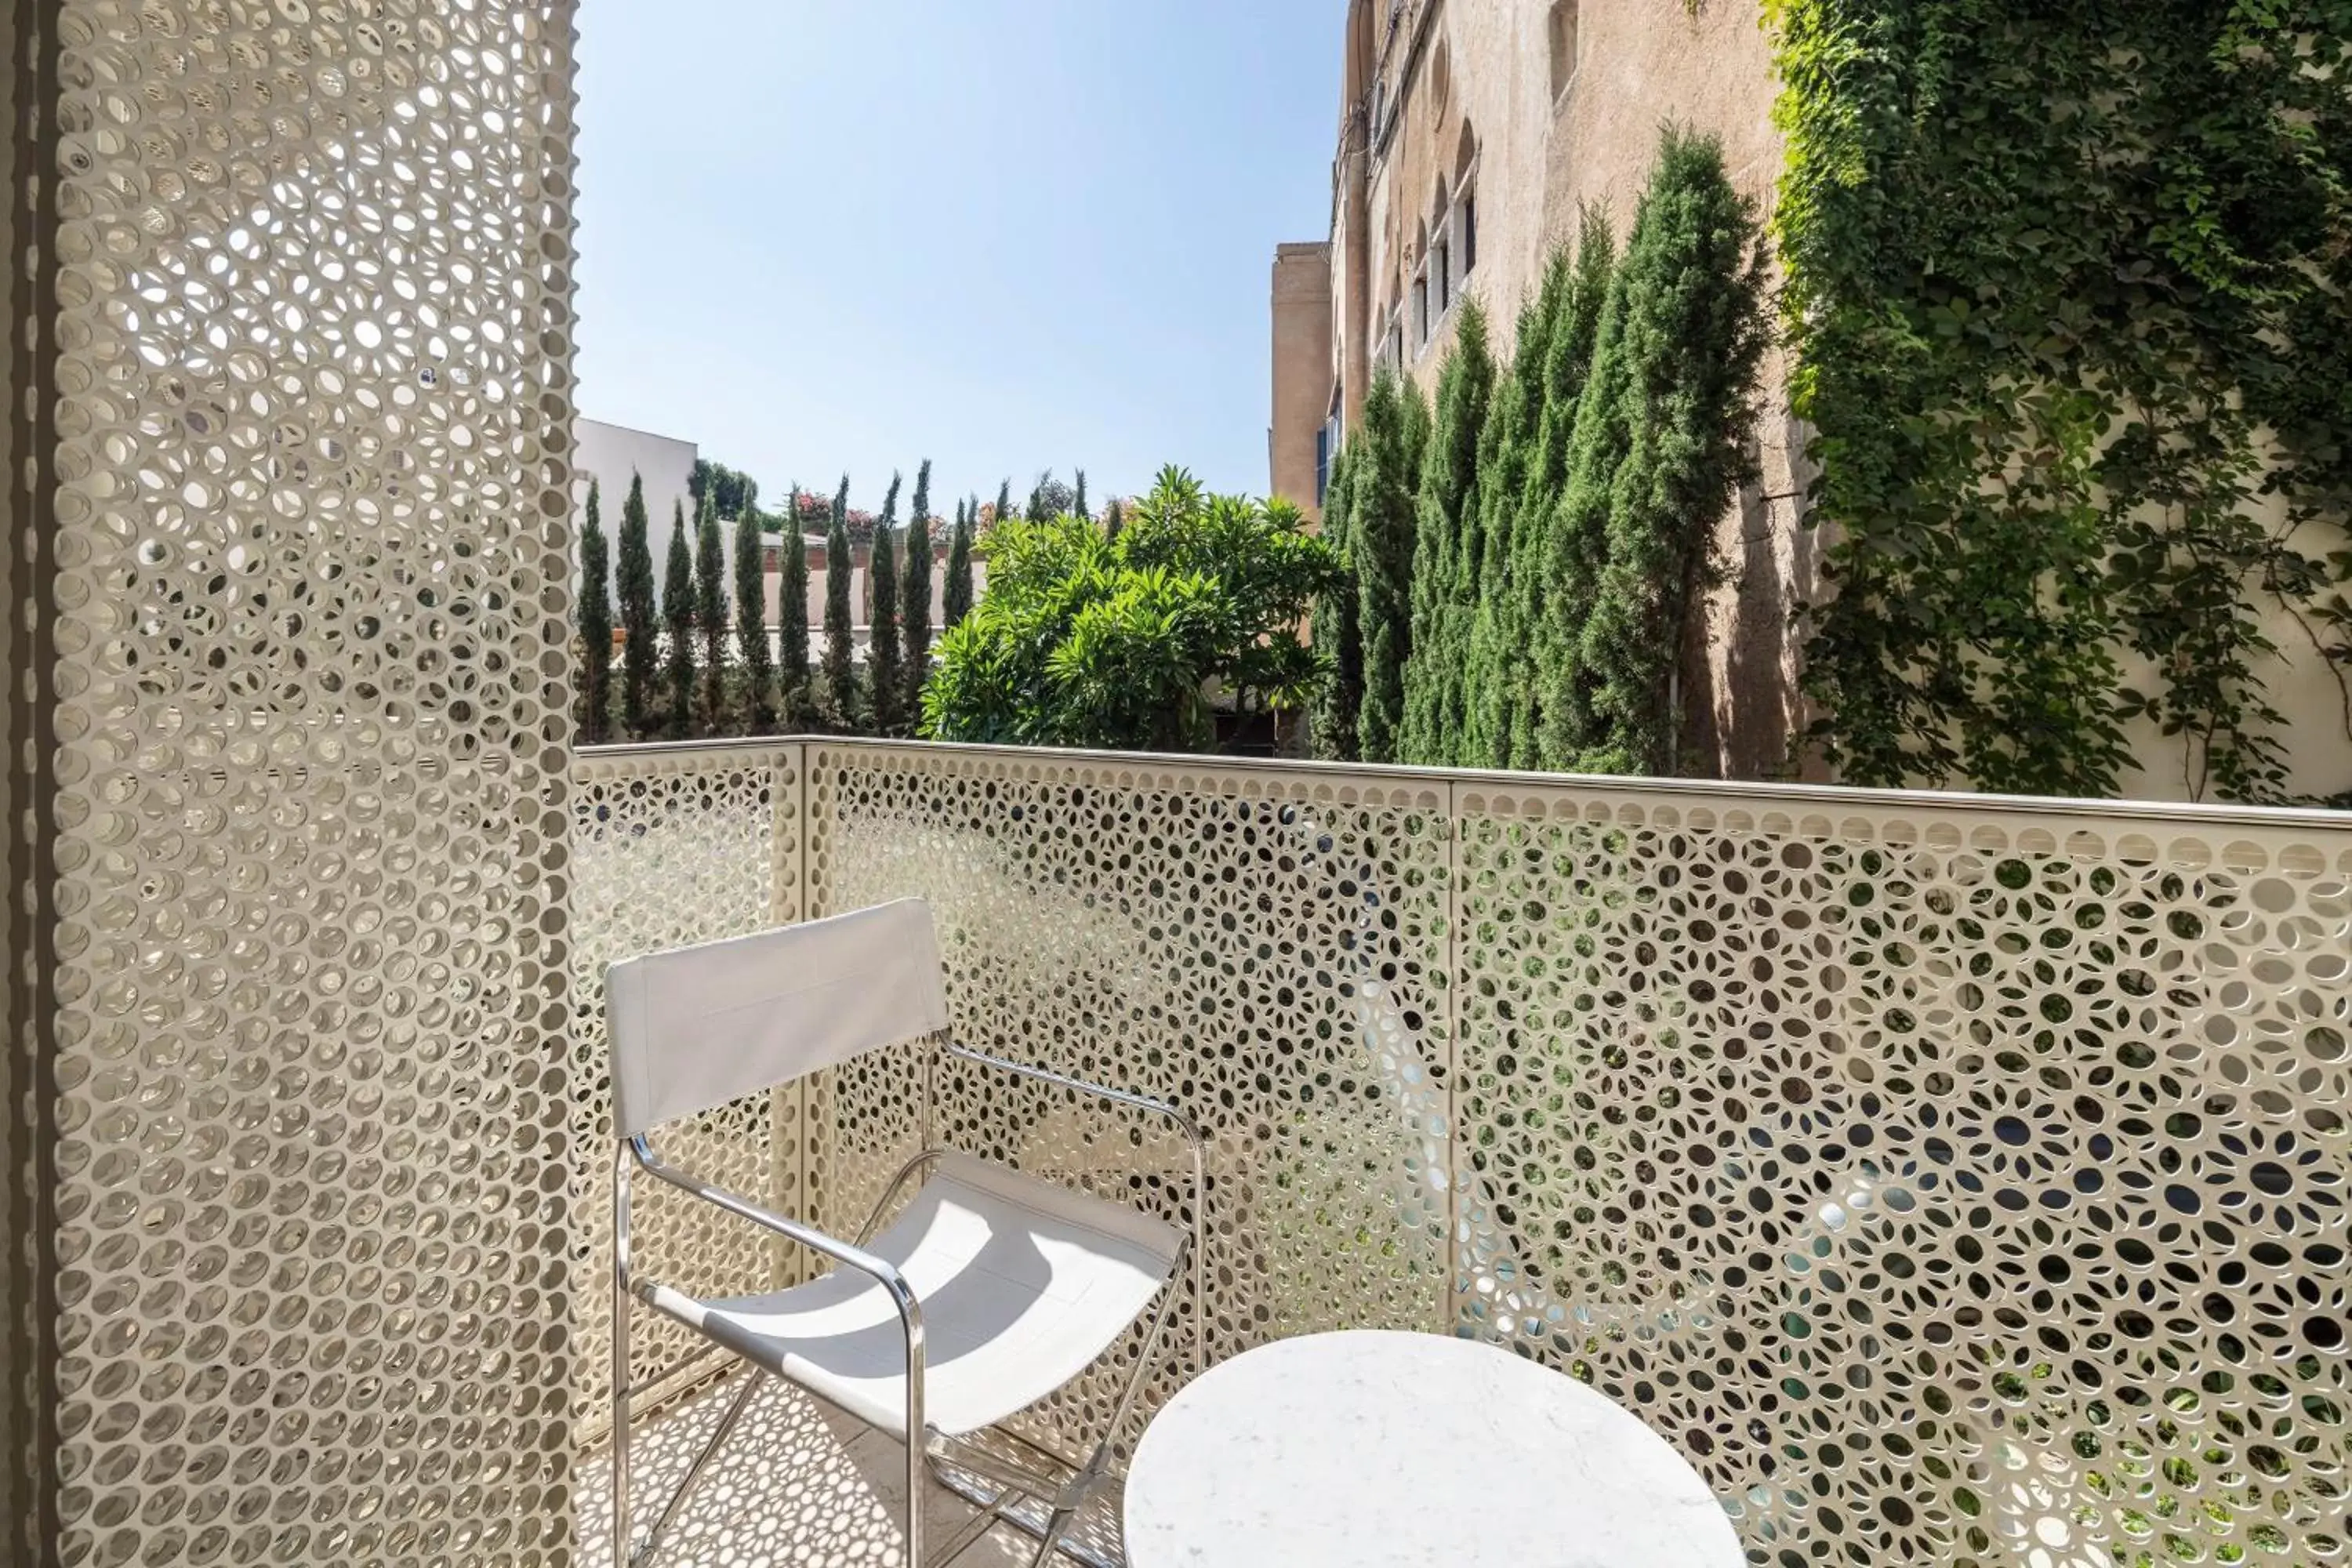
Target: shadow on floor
796,1484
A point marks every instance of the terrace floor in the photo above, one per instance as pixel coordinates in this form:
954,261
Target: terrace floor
797,1483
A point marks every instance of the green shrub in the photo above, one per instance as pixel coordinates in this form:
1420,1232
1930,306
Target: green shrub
1082,640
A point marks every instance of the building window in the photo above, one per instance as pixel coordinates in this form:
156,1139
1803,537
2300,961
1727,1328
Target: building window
1322,462
1563,45
1420,319
1441,268
1469,224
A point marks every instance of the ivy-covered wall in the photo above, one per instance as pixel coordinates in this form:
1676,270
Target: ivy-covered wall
2071,286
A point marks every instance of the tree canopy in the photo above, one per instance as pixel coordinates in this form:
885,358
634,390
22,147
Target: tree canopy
1084,640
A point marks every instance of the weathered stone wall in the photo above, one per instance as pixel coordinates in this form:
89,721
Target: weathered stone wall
1532,109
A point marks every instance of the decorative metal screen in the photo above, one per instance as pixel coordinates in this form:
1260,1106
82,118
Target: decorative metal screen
1254,950
310,683
1950,1180
673,847
1950,1184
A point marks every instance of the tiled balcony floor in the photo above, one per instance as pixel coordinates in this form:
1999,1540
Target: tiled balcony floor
796,1484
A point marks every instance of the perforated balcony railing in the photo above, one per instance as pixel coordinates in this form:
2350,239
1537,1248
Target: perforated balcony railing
1951,1180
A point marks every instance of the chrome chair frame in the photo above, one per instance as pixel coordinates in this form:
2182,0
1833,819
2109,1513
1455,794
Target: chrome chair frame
1018,1484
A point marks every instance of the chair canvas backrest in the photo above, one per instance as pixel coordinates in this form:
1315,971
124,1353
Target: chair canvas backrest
698,1026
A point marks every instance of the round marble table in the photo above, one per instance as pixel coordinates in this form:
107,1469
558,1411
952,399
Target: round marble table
1391,1451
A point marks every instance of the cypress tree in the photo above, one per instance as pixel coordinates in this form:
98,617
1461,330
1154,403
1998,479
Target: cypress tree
710,613
638,617
1568,361
595,619
1004,501
1386,477
1114,519
886,675
1504,449
794,707
840,698
1039,508
751,622
915,596
957,604
1337,630
1444,547
1691,338
1079,506
678,620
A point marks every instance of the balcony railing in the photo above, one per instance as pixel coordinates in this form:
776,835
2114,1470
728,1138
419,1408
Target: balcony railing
1950,1179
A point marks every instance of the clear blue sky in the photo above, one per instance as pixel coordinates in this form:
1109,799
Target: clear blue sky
1006,235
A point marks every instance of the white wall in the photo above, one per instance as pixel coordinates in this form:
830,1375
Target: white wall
611,454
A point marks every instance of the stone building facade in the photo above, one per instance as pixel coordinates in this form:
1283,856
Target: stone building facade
1471,134
1298,442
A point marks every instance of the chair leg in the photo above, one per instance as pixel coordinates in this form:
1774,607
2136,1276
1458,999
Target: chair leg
1052,1540
753,1378
1090,1475
620,1421
917,1472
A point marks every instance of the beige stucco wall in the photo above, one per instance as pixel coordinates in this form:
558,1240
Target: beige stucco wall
611,455
1302,370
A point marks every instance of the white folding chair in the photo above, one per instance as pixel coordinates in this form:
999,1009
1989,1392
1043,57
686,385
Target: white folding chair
988,1291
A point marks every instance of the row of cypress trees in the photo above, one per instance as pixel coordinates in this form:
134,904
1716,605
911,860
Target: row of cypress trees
1526,556
697,661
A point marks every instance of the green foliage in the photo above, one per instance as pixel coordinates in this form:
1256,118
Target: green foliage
794,708
751,623
1385,469
885,673
1659,446
1447,551
710,611
1690,343
595,622
731,490
1087,641
957,603
1003,512
837,703
1504,446
677,619
915,596
1114,519
1337,631
2072,291
638,617
1568,344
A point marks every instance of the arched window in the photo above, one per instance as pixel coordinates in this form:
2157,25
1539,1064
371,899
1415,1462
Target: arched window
1441,254
1465,203
1424,319
1563,45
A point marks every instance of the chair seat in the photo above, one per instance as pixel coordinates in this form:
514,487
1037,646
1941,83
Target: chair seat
1022,1283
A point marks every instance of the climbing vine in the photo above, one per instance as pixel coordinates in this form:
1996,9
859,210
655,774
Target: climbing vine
2072,290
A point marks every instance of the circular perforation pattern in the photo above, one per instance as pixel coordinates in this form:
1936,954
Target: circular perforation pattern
1952,1184
313,327
1950,1190
673,848
1255,951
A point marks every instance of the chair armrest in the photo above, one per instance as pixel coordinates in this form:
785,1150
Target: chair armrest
815,1240
1184,1123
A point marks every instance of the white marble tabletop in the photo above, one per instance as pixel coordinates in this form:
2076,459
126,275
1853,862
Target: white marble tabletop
1390,1450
